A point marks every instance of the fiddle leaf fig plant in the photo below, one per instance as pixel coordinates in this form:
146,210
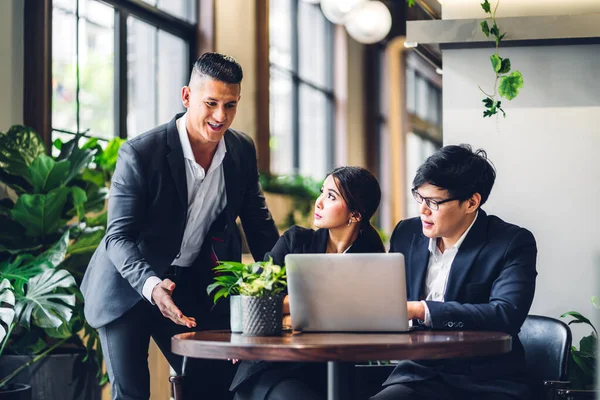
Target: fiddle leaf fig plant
507,84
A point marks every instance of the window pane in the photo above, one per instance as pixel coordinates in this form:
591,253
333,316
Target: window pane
422,97
417,151
410,90
141,77
64,79
315,110
96,70
280,33
184,9
64,5
314,54
280,113
172,75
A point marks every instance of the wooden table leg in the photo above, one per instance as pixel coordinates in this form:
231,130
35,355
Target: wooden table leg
340,380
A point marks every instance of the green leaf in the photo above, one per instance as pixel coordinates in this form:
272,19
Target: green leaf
510,85
40,214
18,148
56,254
579,319
488,102
485,28
486,6
57,143
496,62
91,144
93,176
595,302
587,346
107,159
87,242
46,174
505,67
410,3
494,30
96,198
41,304
79,199
20,269
97,220
7,307
499,38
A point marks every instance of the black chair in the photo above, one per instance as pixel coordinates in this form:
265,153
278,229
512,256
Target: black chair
547,344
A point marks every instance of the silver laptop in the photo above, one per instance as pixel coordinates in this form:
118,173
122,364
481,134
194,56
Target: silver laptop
347,292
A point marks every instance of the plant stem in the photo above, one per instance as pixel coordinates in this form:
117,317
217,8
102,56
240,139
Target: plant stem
10,328
37,358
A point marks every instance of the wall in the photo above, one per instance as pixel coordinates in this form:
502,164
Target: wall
11,63
545,152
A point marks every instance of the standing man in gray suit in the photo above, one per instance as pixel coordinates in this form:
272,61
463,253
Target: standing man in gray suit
175,196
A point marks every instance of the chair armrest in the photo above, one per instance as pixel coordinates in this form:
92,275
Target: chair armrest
568,394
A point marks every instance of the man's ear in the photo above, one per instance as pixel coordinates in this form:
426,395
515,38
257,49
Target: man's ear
185,96
473,203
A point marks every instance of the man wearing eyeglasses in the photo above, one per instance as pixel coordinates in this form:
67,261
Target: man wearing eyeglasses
465,270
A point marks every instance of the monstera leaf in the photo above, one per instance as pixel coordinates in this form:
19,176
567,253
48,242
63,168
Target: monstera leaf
19,147
42,305
7,305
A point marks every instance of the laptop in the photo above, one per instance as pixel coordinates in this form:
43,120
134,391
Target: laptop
347,292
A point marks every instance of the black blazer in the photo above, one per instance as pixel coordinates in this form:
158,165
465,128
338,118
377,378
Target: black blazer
490,287
299,240
147,211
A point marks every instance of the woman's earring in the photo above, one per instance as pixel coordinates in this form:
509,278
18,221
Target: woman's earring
349,221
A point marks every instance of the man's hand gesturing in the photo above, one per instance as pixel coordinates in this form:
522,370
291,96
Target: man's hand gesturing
162,294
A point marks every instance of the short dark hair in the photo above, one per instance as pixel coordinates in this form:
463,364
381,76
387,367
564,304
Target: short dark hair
359,189
459,170
218,66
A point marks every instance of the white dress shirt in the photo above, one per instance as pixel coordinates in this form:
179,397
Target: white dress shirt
438,270
206,200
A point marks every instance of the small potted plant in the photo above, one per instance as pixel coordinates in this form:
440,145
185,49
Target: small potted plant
262,288
227,280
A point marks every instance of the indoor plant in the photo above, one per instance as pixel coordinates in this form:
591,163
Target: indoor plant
227,279
262,288
52,216
582,363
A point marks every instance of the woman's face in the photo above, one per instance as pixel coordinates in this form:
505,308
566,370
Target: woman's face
331,211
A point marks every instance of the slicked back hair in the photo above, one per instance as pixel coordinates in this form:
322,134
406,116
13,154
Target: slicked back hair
460,170
219,67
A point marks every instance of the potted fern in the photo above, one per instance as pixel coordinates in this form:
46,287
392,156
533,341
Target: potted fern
262,288
227,280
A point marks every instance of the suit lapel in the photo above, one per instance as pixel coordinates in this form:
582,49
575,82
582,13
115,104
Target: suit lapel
467,253
417,266
176,161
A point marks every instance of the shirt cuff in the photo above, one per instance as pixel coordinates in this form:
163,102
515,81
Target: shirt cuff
427,314
149,286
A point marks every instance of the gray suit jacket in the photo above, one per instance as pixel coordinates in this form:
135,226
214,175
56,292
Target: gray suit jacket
147,211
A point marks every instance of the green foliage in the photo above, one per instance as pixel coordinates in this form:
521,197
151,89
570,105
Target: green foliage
303,191
505,85
49,229
262,278
582,364
410,3
227,279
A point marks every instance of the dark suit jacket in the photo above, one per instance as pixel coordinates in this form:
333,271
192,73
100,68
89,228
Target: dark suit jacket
147,212
298,240
490,287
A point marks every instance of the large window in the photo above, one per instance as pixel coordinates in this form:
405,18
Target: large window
424,106
118,65
301,89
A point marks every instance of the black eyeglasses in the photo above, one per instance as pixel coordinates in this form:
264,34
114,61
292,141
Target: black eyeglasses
433,205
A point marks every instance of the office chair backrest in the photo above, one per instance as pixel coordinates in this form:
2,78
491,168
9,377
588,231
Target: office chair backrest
547,344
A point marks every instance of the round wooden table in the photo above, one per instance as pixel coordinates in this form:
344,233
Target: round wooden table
337,349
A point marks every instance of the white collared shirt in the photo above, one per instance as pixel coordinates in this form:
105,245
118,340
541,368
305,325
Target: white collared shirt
438,270
206,200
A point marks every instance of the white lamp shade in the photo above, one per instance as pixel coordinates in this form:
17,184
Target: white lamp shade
369,22
336,10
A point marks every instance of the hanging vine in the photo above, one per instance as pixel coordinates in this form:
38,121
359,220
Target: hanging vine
507,83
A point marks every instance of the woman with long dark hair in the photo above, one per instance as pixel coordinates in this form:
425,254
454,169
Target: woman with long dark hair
349,198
